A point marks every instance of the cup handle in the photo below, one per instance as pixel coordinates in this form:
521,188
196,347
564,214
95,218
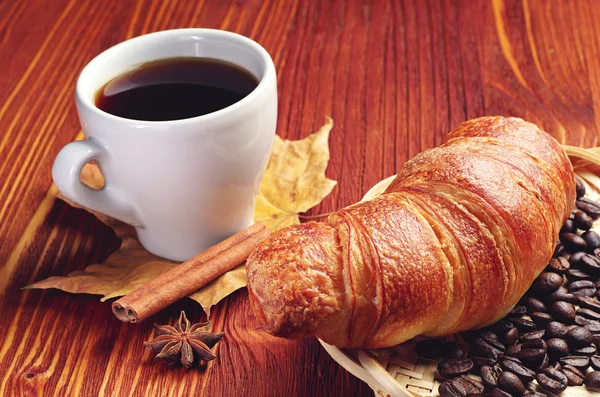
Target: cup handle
66,173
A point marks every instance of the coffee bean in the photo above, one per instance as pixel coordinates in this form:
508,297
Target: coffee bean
511,383
578,337
557,348
582,221
488,345
588,350
537,334
489,376
587,264
453,367
561,294
483,361
574,376
517,367
568,226
488,335
595,362
547,282
575,258
531,393
559,250
452,389
451,350
579,362
579,187
582,288
523,325
534,343
592,379
592,325
594,328
554,329
533,305
540,365
532,351
471,385
541,319
572,213
558,265
552,380
573,242
576,275
588,206
563,311
556,365
589,303
589,314
510,337
513,351
592,240
497,392
582,322
502,326
591,346
584,319
518,311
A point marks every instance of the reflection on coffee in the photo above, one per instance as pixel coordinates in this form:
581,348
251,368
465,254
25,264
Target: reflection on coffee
175,88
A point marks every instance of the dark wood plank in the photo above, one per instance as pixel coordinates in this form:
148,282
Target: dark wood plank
396,76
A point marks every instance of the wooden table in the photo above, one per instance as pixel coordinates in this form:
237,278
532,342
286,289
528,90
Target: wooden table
396,76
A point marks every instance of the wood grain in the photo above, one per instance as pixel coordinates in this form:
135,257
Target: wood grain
395,76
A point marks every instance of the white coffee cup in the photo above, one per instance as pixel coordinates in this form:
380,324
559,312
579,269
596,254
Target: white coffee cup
184,184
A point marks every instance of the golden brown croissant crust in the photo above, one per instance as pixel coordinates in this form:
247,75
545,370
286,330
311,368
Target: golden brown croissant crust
452,244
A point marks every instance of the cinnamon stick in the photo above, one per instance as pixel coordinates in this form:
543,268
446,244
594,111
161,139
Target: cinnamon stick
188,277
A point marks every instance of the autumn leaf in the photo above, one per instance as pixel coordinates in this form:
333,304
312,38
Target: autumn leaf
295,179
294,182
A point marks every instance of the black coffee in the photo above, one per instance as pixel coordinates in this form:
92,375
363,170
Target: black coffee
175,88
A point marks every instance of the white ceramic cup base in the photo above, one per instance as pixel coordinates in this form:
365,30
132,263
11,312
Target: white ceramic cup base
184,184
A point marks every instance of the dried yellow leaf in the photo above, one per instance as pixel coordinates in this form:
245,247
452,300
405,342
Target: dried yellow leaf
295,179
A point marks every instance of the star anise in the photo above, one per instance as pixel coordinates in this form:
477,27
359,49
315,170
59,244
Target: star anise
184,343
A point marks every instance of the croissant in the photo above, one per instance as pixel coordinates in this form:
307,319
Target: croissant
452,244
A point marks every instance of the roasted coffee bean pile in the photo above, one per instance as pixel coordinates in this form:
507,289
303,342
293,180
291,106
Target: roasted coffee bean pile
552,335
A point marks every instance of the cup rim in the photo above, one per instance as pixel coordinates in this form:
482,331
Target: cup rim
260,89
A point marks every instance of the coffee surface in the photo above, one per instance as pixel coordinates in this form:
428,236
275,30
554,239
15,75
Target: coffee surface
175,88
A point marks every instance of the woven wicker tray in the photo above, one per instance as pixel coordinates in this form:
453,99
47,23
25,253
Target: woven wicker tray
398,371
